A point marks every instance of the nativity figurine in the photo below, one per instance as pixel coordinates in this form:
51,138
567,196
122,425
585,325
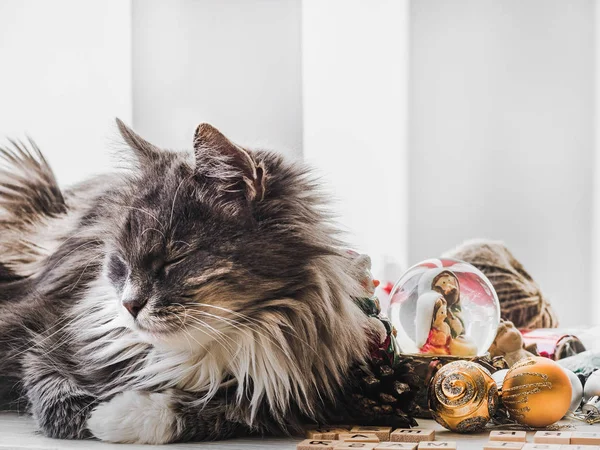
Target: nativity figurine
509,344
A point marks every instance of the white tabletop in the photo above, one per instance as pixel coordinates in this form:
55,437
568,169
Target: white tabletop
18,432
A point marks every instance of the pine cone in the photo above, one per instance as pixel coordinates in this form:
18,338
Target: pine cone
377,395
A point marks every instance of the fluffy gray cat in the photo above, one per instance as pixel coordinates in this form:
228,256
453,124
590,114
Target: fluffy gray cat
198,295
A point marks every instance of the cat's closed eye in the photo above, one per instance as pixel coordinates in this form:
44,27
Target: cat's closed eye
165,266
173,262
117,269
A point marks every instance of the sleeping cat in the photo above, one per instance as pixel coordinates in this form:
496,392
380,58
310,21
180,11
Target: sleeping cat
198,295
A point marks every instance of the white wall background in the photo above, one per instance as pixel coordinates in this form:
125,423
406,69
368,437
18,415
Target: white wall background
502,136
65,73
495,99
235,64
595,244
355,56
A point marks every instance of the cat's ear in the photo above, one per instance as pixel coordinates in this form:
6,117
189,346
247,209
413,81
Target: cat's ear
144,150
217,156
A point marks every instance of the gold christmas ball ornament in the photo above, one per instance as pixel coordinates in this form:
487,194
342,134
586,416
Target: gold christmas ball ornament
463,397
536,392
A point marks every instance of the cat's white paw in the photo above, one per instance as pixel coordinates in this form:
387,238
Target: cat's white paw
134,417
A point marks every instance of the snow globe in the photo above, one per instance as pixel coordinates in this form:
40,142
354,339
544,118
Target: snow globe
444,307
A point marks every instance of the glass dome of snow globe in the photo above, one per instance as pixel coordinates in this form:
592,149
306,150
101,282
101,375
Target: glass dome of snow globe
444,307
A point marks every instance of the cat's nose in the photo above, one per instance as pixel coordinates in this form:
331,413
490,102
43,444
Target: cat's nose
134,305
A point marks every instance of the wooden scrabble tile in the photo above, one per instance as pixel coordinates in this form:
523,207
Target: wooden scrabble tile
552,437
542,447
383,433
317,444
508,436
358,437
585,438
325,433
509,445
397,446
412,435
432,445
352,445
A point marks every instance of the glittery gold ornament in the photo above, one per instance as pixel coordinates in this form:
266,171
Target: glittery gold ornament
536,392
463,397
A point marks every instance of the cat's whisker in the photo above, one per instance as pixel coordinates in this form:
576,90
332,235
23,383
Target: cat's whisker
216,333
85,408
189,335
145,212
74,235
39,343
182,323
292,333
251,331
185,313
74,250
95,258
154,229
175,198
216,340
156,244
185,334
